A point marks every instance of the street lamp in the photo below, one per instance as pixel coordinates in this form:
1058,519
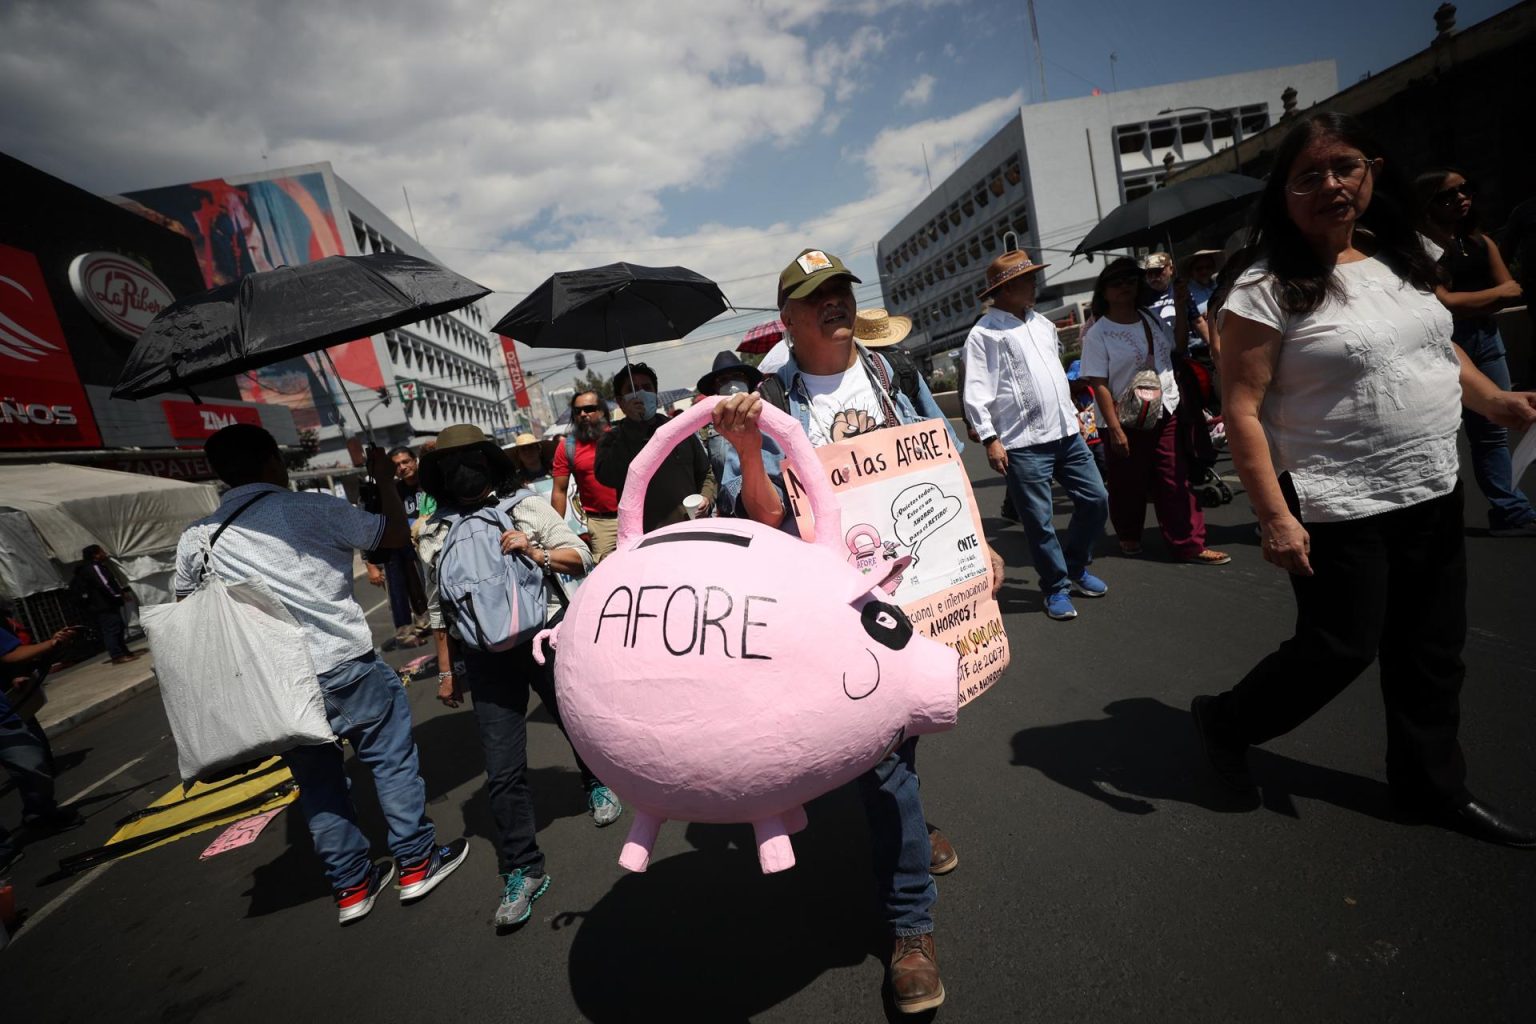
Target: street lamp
1236,126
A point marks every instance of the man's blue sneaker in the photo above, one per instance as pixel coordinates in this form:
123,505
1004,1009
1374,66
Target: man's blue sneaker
517,897
1089,585
605,807
1059,606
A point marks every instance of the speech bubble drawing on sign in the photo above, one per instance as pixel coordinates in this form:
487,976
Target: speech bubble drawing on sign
918,511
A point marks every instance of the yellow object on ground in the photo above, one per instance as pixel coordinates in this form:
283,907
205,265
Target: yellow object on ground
198,807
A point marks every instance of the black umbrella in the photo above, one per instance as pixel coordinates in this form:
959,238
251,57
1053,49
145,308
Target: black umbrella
1173,212
273,315
613,307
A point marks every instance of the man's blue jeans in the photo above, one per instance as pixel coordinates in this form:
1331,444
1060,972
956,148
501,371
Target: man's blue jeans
899,836
367,706
1507,506
1030,471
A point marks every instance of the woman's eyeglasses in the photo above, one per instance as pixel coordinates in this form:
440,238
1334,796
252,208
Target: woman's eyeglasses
1466,188
1345,172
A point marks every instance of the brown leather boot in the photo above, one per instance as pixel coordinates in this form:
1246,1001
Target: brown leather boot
944,858
914,973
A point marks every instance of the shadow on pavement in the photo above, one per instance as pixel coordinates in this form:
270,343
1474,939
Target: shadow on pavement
1145,750
706,935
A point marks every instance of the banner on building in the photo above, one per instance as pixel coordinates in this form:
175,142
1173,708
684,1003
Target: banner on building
910,523
42,402
194,422
515,372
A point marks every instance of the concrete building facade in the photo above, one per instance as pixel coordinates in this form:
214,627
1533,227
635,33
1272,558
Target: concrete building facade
1053,172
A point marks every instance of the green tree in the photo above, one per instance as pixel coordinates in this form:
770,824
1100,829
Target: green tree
593,382
298,456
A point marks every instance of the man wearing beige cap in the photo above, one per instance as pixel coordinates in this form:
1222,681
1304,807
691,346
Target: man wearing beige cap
838,389
1018,399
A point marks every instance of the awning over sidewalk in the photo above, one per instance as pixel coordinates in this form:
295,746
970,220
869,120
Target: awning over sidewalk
137,518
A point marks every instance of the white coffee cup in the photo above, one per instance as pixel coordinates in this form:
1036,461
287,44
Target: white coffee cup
692,504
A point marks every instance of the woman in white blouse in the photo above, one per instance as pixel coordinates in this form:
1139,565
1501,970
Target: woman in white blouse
1146,460
1342,398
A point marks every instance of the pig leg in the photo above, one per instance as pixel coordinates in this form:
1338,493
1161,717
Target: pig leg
636,854
794,819
774,850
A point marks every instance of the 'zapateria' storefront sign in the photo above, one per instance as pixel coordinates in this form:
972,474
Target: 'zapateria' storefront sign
119,292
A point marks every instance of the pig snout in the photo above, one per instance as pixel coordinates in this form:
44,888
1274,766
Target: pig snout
932,678
926,673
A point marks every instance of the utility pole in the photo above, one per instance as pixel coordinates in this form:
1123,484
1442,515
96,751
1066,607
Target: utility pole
1113,57
926,173
1034,30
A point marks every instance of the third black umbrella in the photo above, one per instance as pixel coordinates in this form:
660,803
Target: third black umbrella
1171,213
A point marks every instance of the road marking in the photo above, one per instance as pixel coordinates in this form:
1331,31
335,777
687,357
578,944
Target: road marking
375,607
93,787
33,920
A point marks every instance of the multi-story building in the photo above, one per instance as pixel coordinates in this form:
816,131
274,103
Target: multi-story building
1054,171
406,383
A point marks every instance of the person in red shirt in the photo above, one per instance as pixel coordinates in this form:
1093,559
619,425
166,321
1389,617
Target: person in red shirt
578,454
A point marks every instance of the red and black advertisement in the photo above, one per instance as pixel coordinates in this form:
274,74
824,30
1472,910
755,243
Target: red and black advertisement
42,402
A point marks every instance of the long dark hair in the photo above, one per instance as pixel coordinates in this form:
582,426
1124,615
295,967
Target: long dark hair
1304,281
1428,185
1100,305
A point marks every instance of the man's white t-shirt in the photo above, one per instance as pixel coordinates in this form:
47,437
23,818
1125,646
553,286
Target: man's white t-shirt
1117,351
842,405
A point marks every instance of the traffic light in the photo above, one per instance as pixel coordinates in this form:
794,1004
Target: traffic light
581,361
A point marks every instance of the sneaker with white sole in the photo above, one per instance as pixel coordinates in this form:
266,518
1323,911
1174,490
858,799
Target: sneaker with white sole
417,880
605,807
1059,606
517,896
354,902
1089,585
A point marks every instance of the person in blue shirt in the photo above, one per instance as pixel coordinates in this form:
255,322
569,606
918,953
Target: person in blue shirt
24,748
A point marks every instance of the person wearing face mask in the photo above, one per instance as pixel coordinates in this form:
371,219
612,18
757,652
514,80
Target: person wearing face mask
685,470
729,376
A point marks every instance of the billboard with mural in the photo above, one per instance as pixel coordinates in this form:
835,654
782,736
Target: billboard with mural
283,219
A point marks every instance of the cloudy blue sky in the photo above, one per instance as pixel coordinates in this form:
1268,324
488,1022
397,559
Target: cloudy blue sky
723,135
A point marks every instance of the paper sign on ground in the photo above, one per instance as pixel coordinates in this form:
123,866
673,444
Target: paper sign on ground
910,522
241,833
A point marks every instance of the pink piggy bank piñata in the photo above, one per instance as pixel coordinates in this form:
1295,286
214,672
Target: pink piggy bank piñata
724,671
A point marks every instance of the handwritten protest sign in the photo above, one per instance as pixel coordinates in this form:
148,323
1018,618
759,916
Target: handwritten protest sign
910,522
241,833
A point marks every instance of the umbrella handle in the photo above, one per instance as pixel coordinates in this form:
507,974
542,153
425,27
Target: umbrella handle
780,426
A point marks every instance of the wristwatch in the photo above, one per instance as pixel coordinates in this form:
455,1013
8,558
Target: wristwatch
986,442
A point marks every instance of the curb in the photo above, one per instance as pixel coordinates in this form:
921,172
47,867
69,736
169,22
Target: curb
100,707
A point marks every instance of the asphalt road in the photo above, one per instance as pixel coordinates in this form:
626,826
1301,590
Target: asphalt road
1102,877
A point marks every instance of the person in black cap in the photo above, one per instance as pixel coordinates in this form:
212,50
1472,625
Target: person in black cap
685,470
728,376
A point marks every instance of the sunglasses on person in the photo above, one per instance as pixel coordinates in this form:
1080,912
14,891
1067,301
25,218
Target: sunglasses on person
1346,172
587,408
1466,188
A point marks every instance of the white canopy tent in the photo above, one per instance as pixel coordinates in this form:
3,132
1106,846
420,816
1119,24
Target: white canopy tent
50,511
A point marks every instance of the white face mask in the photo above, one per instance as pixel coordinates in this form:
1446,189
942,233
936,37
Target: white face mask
646,400
732,387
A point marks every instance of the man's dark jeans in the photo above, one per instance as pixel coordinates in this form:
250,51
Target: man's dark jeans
28,759
112,628
499,682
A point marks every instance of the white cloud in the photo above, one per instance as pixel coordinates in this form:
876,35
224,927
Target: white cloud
570,124
919,92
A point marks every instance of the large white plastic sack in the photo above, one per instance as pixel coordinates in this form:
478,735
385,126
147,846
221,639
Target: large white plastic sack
235,676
